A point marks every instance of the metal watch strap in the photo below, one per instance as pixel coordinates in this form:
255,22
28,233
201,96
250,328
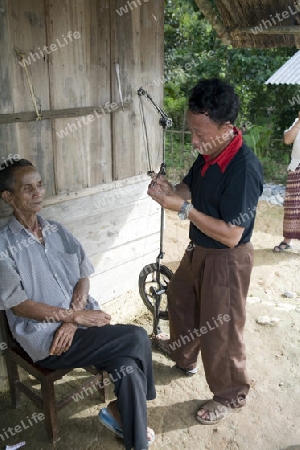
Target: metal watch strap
185,210
188,210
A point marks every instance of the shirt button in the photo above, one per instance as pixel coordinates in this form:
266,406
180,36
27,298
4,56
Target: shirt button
55,275
46,251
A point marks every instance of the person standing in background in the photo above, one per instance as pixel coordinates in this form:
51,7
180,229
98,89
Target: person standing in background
291,219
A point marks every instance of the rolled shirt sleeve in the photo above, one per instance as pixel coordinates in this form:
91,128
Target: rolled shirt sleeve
11,288
85,266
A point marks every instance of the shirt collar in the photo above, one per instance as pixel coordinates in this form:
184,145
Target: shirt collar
224,158
16,227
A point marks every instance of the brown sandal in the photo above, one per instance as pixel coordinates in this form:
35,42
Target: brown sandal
216,412
162,343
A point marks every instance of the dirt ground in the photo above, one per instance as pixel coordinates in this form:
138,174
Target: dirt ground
271,420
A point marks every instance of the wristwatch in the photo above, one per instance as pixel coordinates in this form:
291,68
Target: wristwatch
185,210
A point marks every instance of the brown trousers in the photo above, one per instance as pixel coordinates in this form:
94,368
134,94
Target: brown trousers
207,302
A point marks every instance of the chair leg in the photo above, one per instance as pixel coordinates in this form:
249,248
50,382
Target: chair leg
50,410
13,380
102,388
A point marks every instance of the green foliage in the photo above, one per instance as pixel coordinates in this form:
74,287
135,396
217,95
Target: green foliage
258,140
179,155
273,171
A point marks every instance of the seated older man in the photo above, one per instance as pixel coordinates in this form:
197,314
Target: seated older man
45,291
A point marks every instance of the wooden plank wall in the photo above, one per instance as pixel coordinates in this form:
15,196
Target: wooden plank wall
81,72
24,28
136,33
95,175
80,76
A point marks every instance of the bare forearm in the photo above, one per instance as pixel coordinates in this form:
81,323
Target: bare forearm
42,312
291,135
45,313
216,229
80,294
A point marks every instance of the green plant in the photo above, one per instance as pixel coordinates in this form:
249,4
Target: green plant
274,172
258,139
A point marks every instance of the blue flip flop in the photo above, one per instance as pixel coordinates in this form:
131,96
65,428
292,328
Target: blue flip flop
152,438
110,423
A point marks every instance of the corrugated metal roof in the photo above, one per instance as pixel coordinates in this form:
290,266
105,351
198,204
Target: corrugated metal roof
289,73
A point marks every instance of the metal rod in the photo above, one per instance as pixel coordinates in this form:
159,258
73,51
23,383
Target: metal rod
165,120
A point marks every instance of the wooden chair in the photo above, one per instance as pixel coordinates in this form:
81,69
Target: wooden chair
15,356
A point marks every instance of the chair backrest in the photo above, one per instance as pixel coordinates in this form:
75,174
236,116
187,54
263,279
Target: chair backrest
5,331
13,345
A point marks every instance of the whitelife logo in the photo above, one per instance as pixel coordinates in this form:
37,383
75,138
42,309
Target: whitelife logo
49,49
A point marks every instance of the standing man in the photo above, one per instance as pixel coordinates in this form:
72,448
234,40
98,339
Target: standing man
207,295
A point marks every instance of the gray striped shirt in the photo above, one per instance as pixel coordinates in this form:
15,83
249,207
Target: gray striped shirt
42,273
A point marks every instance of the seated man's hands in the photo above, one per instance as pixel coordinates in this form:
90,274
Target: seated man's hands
63,339
91,318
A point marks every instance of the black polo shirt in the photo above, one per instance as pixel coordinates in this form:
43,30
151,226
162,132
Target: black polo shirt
231,196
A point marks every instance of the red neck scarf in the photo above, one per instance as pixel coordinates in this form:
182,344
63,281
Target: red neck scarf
226,155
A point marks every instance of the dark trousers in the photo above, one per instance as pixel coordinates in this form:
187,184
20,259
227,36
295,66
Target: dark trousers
109,348
206,302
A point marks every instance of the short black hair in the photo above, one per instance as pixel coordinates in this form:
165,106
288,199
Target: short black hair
215,98
7,171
